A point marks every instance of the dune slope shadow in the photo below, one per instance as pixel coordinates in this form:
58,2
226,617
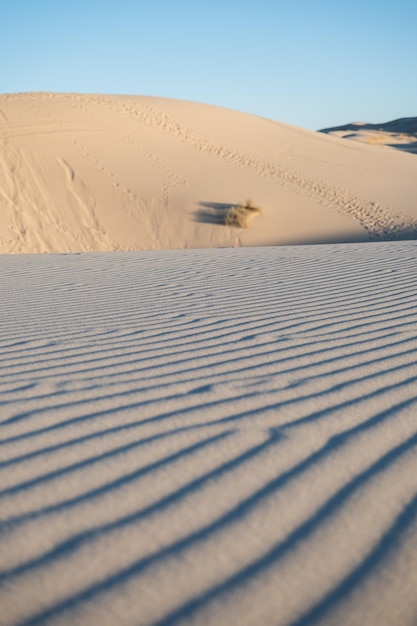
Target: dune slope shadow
405,147
212,212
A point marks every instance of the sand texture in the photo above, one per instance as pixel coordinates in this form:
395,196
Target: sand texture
209,437
101,173
400,134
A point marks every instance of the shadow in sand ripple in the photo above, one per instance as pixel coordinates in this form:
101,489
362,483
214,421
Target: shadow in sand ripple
299,535
302,534
388,544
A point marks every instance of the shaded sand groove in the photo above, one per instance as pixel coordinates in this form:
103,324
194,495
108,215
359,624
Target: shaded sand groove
209,437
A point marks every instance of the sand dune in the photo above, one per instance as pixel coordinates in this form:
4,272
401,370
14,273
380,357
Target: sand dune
400,134
209,437
101,173
203,436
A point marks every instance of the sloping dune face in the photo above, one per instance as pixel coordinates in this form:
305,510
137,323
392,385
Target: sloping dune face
209,437
91,172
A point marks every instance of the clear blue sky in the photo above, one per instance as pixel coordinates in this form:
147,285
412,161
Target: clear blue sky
312,63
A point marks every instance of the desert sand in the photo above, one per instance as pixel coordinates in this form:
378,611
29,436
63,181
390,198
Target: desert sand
219,435
400,134
209,437
100,173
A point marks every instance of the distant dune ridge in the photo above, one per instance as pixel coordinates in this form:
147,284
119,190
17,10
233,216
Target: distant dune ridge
400,134
101,172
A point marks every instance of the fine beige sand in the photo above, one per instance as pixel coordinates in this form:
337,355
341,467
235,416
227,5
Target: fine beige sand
400,134
209,437
102,173
223,435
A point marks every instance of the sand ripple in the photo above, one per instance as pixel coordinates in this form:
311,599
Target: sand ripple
209,437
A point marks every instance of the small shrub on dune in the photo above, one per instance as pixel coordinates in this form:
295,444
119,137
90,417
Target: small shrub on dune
239,214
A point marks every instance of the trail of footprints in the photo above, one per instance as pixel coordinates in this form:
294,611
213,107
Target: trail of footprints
379,221
174,180
171,179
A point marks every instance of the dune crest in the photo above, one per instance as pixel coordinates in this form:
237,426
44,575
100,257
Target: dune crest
96,173
400,134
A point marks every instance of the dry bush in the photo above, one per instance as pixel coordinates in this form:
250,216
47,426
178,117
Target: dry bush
240,214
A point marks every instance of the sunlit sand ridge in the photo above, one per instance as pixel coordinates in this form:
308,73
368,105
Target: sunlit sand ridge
400,134
95,172
209,437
